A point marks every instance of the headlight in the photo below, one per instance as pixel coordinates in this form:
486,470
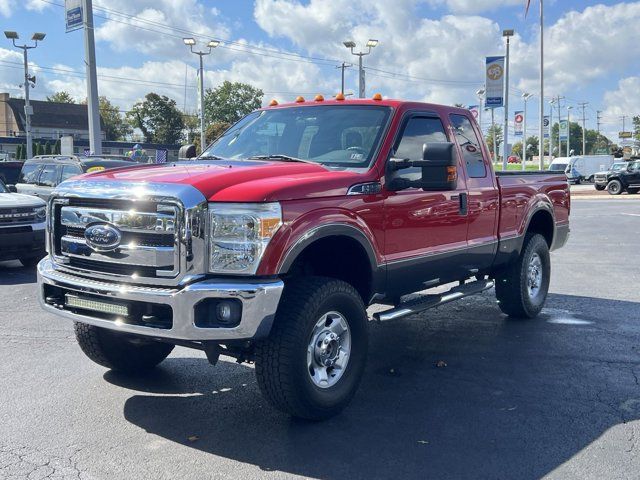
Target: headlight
41,213
239,235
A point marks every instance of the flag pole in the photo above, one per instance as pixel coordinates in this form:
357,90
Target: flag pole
541,132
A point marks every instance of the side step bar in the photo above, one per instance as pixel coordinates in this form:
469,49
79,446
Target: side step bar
426,302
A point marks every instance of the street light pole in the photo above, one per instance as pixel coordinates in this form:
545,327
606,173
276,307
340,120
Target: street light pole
190,42
480,94
29,82
569,131
505,135
525,96
351,45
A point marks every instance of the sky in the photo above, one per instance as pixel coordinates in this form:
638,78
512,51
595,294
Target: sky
429,50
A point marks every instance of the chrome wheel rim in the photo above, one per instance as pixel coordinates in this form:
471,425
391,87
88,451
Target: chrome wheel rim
329,350
534,276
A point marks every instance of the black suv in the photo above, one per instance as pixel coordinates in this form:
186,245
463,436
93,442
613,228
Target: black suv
41,174
627,179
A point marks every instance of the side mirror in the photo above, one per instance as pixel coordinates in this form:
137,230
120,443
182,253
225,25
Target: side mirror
439,169
187,152
12,188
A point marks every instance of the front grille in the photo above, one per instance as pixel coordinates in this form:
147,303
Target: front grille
147,245
12,216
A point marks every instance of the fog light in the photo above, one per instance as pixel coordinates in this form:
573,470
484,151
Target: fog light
218,313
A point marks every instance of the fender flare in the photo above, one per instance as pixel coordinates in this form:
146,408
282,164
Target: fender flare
324,231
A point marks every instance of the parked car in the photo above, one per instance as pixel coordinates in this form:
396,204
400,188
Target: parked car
10,171
41,174
22,227
625,180
601,179
514,159
559,164
270,246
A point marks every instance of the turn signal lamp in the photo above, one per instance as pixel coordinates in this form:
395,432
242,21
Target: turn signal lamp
377,97
273,103
452,174
319,98
300,99
340,97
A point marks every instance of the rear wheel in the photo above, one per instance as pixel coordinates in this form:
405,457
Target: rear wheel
600,188
633,191
311,364
614,187
522,288
590,180
120,352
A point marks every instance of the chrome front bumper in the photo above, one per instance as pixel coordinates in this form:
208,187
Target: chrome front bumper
259,304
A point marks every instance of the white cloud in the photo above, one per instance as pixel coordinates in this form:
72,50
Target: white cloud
478,6
624,100
6,7
36,5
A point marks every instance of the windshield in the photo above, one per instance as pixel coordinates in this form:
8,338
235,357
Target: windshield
333,135
558,167
616,167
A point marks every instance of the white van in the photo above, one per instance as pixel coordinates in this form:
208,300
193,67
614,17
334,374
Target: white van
559,164
583,167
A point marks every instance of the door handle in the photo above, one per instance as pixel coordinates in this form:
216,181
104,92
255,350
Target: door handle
464,203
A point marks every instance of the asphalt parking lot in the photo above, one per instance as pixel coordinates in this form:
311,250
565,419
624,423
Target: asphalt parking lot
557,397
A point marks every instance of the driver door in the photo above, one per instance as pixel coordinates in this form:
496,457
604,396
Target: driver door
425,232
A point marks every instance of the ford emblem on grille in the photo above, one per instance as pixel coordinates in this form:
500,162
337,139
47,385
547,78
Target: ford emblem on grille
102,236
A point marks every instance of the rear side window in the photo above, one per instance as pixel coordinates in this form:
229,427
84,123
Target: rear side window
48,176
29,173
470,146
69,171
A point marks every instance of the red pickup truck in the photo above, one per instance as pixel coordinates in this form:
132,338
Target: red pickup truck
272,244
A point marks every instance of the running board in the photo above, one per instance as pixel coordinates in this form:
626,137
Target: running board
425,302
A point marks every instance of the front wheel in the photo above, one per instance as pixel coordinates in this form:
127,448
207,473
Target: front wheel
522,288
614,187
120,352
311,364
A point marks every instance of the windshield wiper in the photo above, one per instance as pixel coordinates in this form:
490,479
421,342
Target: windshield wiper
281,158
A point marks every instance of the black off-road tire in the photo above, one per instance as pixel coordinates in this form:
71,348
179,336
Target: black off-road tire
614,187
120,352
31,261
512,288
281,359
601,188
633,191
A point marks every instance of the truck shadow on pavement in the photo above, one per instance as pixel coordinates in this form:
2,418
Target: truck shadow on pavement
13,273
516,399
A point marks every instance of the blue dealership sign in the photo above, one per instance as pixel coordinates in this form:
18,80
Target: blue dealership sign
74,15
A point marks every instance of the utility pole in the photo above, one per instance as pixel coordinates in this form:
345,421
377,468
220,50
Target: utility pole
29,82
624,123
541,138
505,134
559,98
599,118
343,67
584,129
493,132
93,102
551,129
351,45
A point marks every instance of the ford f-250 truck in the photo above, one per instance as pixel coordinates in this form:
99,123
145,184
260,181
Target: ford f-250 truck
270,246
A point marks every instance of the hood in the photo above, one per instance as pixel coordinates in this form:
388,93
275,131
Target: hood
19,200
242,181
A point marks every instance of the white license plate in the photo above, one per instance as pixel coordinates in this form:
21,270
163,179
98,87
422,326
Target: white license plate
93,305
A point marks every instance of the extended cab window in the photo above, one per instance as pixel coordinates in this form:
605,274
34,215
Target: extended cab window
29,173
344,136
470,145
417,132
49,176
69,171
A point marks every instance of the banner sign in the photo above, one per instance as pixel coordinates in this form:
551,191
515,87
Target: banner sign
625,135
546,123
517,123
73,15
564,129
494,82
475,111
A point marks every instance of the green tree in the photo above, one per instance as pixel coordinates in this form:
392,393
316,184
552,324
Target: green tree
636,127
191,128
19,152
56,148
158,118
115,126
38,150
231,101
213,132
61,97
47,148
593,141
489,138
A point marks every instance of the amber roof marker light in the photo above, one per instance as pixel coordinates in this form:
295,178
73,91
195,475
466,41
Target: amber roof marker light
273,103
377,97
319,98
299,99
